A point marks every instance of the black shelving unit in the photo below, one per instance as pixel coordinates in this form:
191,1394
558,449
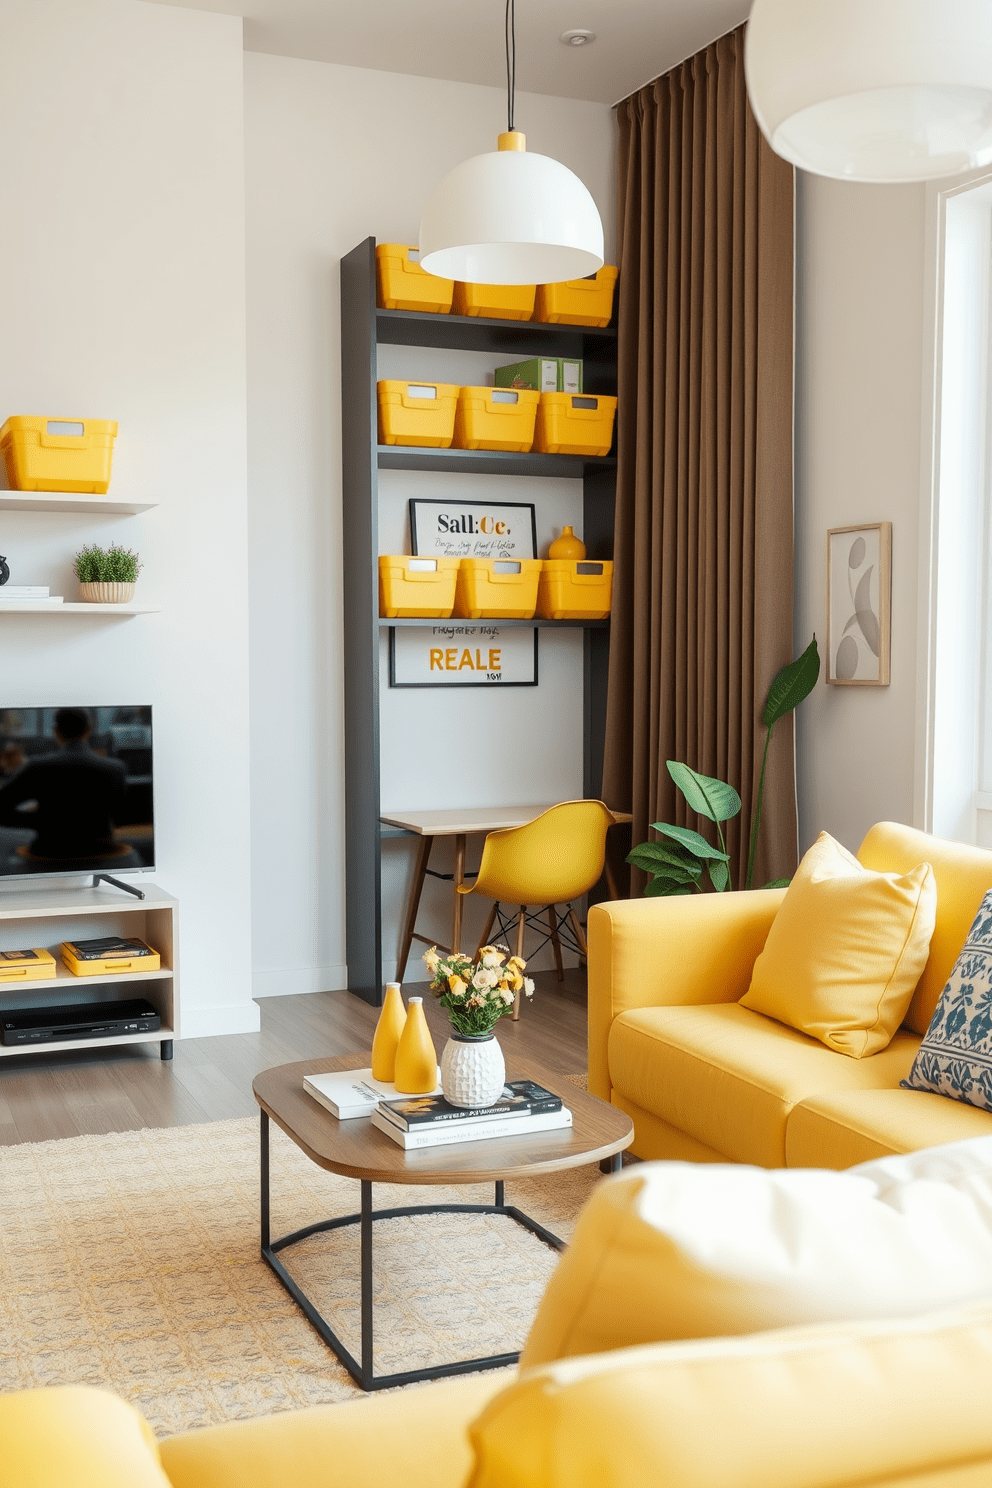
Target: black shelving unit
363,328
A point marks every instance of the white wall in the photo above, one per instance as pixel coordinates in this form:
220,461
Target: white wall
122,261
334,155
860,316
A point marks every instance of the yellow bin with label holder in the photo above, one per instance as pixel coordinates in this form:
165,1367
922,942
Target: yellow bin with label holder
491,418
495,301
574,424
417,413
416,588
401,284
575,589
111,965
36,965
497,588
587,302
46,454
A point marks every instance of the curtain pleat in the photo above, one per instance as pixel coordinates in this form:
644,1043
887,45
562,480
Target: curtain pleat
702,614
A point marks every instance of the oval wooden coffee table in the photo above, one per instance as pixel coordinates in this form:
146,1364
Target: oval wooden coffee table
356,1149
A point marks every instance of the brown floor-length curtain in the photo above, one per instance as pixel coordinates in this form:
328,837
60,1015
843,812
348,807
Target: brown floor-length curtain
702,615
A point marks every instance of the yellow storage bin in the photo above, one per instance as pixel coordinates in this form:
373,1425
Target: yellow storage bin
497,588
43,454
110,965
416,588
26,966
575,589
587,302
574,424
495,301
496,418
417,413
401,284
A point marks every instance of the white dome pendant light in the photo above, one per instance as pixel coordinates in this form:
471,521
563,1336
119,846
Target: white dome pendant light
511,217
873,90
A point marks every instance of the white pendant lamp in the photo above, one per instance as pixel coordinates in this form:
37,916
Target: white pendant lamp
511,217
873,90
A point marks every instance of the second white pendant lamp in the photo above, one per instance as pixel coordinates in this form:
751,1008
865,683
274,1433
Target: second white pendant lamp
873,90
511,217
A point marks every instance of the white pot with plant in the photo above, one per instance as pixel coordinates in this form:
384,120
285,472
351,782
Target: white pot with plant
107,575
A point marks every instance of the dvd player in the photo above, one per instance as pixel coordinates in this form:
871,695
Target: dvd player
79,1020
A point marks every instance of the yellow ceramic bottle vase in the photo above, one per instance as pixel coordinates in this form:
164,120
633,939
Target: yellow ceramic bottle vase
567,546
416,1059
388,1032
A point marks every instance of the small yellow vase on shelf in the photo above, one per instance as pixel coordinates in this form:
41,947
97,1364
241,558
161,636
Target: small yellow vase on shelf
388,1032
416,1059
567,546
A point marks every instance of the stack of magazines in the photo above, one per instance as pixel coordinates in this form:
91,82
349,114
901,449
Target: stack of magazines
429,1121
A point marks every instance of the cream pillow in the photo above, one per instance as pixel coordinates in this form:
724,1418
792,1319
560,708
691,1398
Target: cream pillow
854,1403
693,1250
845,950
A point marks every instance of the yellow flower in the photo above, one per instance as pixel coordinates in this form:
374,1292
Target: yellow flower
432,960
491,958
456,986
516,981
516,964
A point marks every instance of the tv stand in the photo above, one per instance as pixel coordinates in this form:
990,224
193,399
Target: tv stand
46,917
99,878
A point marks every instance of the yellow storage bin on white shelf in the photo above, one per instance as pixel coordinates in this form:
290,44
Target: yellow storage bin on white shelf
497,588
575,589
574,424
46,454
416,588
492,418
587,302
417,413
495,301
401,283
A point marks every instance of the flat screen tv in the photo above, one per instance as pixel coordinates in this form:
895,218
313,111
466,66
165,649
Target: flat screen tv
76,791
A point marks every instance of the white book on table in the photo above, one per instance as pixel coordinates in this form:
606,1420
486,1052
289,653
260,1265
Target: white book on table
350,1093
449,1134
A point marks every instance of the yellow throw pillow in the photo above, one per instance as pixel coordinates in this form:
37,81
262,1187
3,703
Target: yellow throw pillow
845,950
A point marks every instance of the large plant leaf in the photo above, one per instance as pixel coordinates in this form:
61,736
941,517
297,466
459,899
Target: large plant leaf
694,841
719,876
660,888
650,858
793,683
705,795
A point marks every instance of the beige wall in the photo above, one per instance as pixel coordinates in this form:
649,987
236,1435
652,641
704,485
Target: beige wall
860,345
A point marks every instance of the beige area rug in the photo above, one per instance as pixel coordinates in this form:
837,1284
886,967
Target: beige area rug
131,1261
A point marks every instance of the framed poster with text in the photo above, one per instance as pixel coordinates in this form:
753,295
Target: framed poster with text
450,654
473,529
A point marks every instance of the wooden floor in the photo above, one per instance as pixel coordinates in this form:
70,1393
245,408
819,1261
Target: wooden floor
45,1096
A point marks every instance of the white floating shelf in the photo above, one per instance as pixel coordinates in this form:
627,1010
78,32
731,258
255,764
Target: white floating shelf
70,501
97,611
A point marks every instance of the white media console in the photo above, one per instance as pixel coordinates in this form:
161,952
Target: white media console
30,918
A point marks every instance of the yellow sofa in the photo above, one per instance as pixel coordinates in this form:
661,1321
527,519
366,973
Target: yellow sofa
705,1080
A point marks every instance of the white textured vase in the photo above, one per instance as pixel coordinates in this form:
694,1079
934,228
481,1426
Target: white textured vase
107,593
473,1072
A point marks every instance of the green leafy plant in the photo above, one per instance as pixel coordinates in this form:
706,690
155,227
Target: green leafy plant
677,863
113,565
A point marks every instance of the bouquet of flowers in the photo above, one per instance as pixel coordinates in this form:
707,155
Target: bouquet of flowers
477,993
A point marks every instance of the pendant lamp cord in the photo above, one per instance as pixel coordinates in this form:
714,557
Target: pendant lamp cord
511,60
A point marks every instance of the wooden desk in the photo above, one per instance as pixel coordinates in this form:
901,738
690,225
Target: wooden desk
458,824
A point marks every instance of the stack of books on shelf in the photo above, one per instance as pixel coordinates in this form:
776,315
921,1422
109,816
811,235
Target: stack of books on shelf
28,594
428,1121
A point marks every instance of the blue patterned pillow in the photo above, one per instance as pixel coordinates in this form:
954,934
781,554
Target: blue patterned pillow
955,1057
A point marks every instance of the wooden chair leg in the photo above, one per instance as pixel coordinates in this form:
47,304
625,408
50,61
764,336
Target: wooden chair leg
553,923
485,933
420,873
573,920
521,927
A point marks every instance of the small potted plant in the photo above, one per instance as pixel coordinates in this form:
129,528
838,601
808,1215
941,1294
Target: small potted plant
107,575
476,995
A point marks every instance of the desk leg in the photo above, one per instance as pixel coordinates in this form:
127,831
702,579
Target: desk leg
420,873
456,913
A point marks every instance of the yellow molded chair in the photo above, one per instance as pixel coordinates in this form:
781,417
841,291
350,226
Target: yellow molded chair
552,860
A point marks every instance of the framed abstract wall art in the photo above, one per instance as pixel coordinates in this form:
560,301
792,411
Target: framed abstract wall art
859,604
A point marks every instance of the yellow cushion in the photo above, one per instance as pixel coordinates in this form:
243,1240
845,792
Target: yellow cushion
844,1127
845,950
729,1077
400,1439
859,1403
75,1437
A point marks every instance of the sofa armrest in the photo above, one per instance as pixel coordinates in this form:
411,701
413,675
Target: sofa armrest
50,1438
670,952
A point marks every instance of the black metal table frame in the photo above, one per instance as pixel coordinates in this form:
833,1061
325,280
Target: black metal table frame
363,1373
